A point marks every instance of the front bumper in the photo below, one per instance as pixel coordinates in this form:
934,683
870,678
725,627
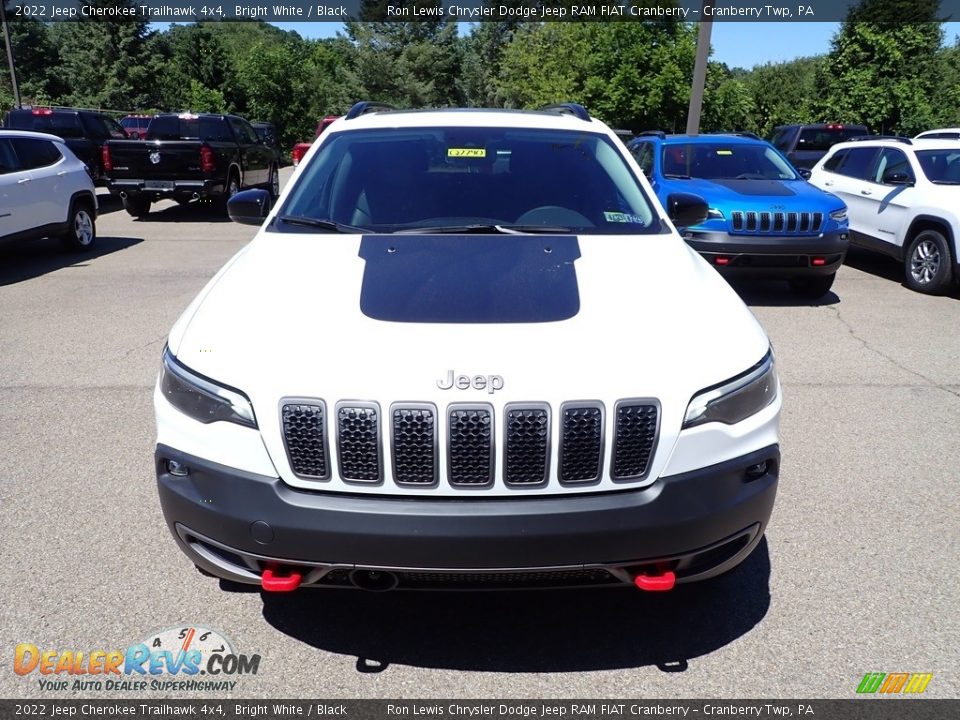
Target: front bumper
772,256
234,524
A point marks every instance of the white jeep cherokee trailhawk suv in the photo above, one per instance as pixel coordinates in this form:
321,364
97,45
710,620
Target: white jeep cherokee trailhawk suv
903,200
467,348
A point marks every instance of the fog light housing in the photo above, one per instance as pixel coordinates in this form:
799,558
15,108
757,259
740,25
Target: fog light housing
177,469
755,472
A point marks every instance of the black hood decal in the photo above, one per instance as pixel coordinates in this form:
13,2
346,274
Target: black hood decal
469,278
757,188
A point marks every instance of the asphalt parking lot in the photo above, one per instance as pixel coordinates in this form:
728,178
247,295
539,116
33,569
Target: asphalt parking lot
858,572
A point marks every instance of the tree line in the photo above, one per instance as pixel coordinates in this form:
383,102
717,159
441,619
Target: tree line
897,78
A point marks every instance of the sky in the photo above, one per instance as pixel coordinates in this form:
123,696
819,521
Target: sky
737,44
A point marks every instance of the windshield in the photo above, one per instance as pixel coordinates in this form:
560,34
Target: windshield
719,161
822,139
469,179
941,166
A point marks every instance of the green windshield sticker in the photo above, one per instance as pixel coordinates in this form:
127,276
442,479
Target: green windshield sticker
467,152
724,152
619,217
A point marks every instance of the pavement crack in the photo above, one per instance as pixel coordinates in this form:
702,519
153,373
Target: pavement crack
879,353
142,347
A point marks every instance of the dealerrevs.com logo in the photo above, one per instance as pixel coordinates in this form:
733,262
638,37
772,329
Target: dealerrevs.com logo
183,658
894,683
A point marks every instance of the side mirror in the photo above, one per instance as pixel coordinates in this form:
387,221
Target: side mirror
686,210
897,178
249,207
805,173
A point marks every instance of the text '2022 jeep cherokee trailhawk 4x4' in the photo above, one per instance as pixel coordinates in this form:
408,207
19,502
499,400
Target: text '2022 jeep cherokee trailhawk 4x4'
467,348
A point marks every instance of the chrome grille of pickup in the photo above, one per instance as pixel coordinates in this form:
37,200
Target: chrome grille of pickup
636,426
417,438
799,223
526,453
358,442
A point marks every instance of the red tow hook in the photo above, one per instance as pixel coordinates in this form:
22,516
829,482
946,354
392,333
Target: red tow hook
656,583
272,581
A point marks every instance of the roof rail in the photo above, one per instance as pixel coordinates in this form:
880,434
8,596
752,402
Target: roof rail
361,108
656,133
897,138
740,133
578,111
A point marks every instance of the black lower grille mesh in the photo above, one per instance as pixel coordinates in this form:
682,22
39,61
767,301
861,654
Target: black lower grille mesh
358,442
635,437
414,445
305,440
471,445
527,447
581,444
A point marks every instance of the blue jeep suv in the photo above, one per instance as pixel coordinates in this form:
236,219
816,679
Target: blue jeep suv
765,220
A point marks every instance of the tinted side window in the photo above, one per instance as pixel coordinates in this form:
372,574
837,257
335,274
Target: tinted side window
35,153
892,161
857,163
8,158
781,139
835,160
643,153
114,129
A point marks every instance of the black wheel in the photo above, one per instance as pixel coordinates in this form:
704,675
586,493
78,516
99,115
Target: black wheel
81,228
138,207
274,184
812,287
928,262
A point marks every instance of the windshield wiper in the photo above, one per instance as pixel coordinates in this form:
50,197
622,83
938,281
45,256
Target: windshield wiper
321,224
484,230
674,176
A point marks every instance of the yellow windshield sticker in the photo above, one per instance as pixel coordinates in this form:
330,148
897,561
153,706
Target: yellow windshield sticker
724,152
467,152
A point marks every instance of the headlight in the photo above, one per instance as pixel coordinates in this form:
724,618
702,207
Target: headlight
714,214
839,215
736,399
203,399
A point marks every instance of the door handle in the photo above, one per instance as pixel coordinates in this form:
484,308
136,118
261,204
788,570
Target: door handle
21,181
866,192
62,173
829,182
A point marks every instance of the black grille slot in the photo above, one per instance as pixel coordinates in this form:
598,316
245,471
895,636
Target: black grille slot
778,222
527,447
304,435
804,222
751,221
764,222
817,221
470,445
581,443
738,220
414,446
358,442
635,438
791,222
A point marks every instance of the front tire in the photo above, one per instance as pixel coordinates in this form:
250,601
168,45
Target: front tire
814,287
137,207
274,185
928,262
81,231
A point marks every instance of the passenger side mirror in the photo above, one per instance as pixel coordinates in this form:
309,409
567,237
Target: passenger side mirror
249,207
686,209
805,173
897,178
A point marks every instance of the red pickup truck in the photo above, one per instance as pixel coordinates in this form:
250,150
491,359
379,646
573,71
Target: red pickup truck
300,149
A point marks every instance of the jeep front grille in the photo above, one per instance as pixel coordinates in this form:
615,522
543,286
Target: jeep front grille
470,444
637,423
358,442
781,223
526,453
464,438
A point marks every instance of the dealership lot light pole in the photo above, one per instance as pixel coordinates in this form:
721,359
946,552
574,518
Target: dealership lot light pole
699,69
6,40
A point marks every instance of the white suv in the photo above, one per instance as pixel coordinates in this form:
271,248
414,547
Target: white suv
467,348
903,200
45,191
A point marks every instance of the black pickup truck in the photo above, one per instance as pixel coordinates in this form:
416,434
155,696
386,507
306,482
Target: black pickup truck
186,157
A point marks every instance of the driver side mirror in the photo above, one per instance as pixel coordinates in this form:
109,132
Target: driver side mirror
805,173
249,207
897,178
686,209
